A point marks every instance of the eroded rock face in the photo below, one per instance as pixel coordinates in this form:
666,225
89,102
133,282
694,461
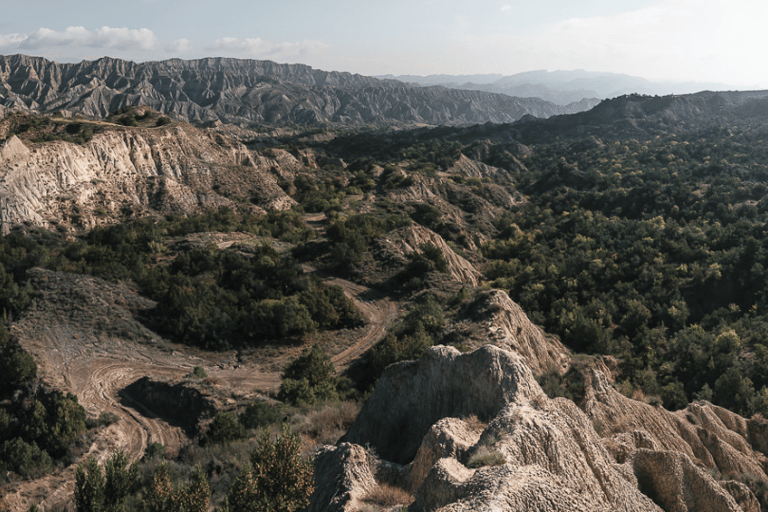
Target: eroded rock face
505,325
177,169
412,396
410,239
248,91
533,453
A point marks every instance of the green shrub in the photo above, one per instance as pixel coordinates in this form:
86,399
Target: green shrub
277,479
260,414
309,379
225,428
25,459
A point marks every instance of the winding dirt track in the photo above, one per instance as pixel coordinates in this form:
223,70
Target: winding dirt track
72,356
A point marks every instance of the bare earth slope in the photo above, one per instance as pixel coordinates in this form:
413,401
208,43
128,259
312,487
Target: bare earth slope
84,336
123,171
619,455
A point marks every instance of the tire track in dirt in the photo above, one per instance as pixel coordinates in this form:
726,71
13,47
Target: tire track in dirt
96,367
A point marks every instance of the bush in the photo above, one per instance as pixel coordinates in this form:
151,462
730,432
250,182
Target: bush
309,378
224,429
260,414
163,495
484,456
25,459
277,479
107,490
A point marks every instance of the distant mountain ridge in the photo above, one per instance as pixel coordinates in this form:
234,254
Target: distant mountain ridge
636,115
248,92
561,87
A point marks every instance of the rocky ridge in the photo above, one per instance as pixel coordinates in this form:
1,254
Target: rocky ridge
247,92
547,454
125,172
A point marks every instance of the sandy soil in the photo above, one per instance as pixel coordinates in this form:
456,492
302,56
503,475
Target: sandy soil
85,339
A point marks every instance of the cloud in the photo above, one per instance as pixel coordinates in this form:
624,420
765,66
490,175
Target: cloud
179,45
101,38
506,7
714,40
259,48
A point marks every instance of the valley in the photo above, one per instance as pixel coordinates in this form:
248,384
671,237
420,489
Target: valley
547,314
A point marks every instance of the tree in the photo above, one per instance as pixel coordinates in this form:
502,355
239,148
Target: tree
89,487
225,428
165,496
119,479
309,378
277,479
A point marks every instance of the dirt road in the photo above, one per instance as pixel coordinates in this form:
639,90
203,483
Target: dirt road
85,340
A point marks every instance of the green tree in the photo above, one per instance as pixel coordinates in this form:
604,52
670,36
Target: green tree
225,428
119,479
277,479
89,487
310,377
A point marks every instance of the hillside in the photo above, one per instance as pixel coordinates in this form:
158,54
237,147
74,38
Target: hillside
247,92
544,315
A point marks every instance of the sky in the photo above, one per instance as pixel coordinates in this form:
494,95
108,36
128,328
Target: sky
720,41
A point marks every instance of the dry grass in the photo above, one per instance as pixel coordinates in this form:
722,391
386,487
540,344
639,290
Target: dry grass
385,495
474,423
326,424
485,456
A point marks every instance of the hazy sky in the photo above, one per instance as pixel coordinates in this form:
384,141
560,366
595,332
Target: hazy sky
699,40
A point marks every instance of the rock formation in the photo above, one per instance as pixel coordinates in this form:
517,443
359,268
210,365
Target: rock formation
247,92
411,239
124,171
528,452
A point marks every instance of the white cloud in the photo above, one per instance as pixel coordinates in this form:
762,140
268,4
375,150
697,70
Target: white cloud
179,45
702,40
101,38
259,48
506,7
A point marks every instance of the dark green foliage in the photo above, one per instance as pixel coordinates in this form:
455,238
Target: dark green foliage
225,428
277,479
351,237
119,479
217,299
54,422
25,459
570,385
310,378
260,414
650,251
89,487
429,258
163,495
17,366
406,340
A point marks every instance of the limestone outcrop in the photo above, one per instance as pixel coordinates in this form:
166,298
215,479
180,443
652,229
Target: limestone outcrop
475,432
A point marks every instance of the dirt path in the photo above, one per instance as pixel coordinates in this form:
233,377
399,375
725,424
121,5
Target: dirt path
75,356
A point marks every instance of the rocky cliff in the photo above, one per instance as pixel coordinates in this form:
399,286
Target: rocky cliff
475,432
247,92
130,171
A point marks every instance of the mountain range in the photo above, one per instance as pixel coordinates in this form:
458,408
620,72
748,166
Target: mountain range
249,92
561,87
